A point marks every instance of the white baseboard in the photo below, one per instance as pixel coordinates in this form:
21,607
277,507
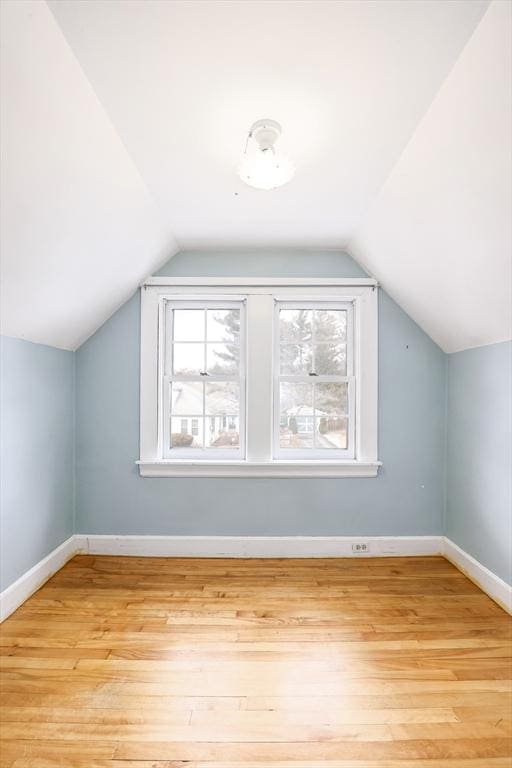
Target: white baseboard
253,546
260,546
16,594
492,585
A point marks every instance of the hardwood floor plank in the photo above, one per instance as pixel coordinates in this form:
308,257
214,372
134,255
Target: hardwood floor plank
126,702
97,715
493,762
326,751
328,716
15,662
217,663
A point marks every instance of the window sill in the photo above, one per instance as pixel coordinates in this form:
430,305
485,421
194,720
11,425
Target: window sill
186,468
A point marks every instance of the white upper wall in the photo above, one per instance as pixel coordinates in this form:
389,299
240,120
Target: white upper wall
439,234
79,229
125,122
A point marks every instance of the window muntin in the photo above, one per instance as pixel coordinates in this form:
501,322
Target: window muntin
203,380
314,383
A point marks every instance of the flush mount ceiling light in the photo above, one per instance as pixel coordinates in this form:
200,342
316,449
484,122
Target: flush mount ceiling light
262,166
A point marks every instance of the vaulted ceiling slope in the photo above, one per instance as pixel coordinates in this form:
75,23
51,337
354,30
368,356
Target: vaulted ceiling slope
125,121
439,233
79,228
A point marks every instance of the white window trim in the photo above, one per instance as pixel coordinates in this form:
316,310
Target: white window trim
261,293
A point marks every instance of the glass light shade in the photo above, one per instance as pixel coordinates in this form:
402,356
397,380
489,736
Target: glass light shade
265,169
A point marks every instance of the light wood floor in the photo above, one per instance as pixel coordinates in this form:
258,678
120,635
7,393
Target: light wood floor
139,663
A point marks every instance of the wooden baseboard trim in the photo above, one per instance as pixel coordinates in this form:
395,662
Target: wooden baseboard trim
261,546
492,585
16,594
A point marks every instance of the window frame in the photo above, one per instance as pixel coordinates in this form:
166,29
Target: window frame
166,378
260,295
313,454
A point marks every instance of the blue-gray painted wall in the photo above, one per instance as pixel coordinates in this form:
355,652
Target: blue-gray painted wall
268,263
36,453
479,455
406,498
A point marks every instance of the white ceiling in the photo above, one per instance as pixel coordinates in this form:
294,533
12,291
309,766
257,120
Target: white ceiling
129,118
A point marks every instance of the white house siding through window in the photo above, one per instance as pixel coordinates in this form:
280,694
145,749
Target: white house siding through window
219,427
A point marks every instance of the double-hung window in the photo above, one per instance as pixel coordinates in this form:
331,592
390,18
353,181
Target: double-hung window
258,378
314,414
203,379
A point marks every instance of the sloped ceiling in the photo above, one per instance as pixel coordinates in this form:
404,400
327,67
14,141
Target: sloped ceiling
439,233
79,228
126,121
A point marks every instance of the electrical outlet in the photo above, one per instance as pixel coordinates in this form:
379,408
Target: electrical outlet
361,548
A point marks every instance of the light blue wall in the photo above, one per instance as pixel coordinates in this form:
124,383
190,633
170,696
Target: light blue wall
267,263
479,486
406,498
36,445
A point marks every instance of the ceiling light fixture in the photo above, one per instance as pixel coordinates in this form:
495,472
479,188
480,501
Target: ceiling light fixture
262,166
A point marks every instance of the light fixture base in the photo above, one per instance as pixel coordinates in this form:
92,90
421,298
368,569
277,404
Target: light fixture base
263,166
265,133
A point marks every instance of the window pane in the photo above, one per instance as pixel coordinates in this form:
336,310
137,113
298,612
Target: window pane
223,414
223,325
223,432
188,358
331,359
295,325
223,359
204,413
296,417
331,410
295,359
222,397
330,324
182,433
331,400
331,433
188,325
187,398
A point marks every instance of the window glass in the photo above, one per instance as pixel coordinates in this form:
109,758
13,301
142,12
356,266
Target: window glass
312,401
222,359
296,420
223,325
181,434
205,383
188,325
188,359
